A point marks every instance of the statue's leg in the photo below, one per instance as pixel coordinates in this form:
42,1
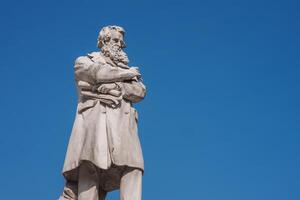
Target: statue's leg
88,184
131,185
70,191
102,195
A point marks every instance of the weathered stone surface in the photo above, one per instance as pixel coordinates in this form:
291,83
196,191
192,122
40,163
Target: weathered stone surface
104,151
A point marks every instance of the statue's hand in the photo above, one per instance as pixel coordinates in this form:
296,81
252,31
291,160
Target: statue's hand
110,88
135,71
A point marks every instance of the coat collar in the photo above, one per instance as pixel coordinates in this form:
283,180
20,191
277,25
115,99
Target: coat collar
97,57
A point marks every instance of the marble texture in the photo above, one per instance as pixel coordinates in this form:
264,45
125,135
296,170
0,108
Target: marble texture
105,135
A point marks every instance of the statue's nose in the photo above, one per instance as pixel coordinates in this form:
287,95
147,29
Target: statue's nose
119,43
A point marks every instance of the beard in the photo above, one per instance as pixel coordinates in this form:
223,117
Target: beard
115,53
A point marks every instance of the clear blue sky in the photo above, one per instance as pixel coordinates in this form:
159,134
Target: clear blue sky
221,118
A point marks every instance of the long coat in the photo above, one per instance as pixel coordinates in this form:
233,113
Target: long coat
101,134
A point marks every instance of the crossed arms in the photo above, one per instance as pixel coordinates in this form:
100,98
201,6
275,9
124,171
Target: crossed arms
101,80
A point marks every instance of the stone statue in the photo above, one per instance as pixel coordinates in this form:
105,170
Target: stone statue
104,151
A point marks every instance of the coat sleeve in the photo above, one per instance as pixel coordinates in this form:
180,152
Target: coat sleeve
134,91
97,72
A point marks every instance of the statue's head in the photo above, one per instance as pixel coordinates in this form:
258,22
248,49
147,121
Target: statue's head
112,35
111,42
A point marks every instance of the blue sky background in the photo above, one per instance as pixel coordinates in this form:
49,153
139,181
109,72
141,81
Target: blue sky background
221,116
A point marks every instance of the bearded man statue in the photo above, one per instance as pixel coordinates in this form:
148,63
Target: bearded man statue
104,151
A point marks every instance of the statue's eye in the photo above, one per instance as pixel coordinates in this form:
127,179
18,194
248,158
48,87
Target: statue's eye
116,40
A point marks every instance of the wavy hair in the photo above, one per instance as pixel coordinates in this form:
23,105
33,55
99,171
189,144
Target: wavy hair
105,35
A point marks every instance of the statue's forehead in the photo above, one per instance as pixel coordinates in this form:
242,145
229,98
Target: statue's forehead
116,34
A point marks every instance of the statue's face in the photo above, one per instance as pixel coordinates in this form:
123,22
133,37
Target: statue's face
116,40
113,48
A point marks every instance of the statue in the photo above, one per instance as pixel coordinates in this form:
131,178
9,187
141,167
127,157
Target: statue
104,151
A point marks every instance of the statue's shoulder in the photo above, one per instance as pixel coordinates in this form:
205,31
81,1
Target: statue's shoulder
90,58
83,59
93,54
96,57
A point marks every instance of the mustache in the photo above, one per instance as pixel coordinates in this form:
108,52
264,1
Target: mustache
115,53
